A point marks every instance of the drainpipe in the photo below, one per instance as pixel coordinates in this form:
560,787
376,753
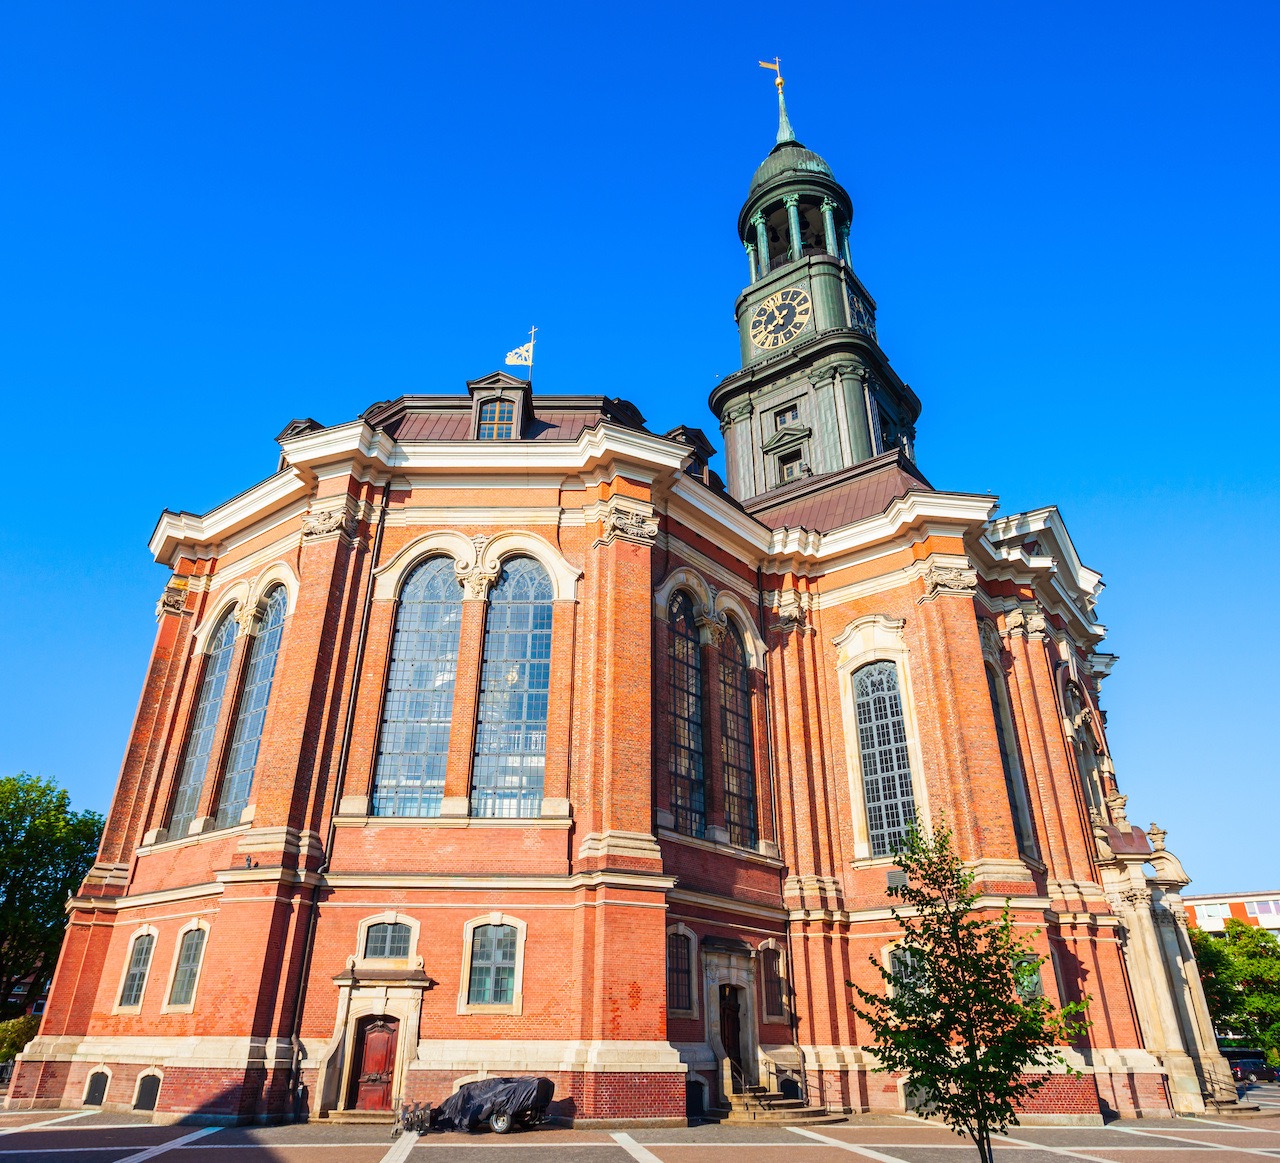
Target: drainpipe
340,778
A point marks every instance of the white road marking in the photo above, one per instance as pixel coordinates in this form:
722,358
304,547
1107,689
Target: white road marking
1265,1152
48,1122
400,1148
632,1148
161,1148
865,1152
1066,1151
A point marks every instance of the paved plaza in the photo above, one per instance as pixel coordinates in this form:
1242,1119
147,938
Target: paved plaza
94,1137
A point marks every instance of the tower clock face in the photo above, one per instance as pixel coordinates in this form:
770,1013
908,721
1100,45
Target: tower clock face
781,317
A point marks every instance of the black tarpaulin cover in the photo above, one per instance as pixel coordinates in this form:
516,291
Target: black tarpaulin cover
475,1102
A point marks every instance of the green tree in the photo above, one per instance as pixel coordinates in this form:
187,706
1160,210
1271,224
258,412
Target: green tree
1241,975
45,850
15,1034
963,1015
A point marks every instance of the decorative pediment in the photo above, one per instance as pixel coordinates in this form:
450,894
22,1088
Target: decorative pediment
788,436
496,381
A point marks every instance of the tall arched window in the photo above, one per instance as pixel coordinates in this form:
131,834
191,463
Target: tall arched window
252,711
1081,720
1009,761
413,746
195,762
511,727
688,782
886,766
737,744
679,971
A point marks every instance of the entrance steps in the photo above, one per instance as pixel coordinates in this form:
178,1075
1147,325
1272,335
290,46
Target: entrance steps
757,1106
383,1118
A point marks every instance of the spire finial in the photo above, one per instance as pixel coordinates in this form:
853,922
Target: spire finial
785,132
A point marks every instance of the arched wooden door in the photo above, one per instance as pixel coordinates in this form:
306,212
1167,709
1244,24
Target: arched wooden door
374,1063
731,1027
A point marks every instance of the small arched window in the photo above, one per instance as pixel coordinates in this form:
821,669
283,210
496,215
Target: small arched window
496,420
135,978
737,744
413,745
771,973
195,761
1009,761
493,965
511,726
886,765
188,968
386,940
679,971
252,711
687,764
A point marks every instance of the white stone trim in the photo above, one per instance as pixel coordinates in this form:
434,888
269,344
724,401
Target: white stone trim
695,975
518,543
689,580
390,576
166,1006
487,1056
729,604
140,931
516,1005
876,638
100,1067
277,573
229,601
410,961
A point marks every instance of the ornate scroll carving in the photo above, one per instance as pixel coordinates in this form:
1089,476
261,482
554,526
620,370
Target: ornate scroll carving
992,646
330,521
476,579
1027,619
949,579
792,614
712,625
247,618
172,601
628,523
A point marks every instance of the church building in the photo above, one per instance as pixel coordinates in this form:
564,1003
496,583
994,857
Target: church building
494,733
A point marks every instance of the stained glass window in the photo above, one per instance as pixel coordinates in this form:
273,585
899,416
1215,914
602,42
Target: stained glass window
496,419
413,746
688,781
493,965
139,963
679,972
886,767
184,977
195,762
511,726
386,940
737,746
251,713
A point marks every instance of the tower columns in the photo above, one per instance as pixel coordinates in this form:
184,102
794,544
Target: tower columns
762,242
750,248
829,227
792,203
844,243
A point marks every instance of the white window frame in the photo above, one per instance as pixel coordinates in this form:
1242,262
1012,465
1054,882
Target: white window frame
516,1005
409,961
876,638
167,1007
141,931
684,931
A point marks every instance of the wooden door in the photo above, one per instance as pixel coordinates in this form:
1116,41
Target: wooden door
375,1063
731,1025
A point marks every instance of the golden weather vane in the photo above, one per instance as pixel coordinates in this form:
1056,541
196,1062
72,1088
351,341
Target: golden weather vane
777,68
785,132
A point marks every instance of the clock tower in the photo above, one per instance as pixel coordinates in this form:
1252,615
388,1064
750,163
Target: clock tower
815,394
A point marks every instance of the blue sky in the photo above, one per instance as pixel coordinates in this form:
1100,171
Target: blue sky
219,217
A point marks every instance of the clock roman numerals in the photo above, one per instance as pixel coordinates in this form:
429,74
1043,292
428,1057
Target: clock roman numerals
780,318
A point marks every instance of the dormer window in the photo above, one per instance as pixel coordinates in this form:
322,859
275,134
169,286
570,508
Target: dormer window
497,418
788,415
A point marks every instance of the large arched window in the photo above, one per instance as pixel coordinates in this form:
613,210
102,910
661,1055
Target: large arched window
688,782
886,766
195,761
252,711
511,727
413,746
737,745
1009,761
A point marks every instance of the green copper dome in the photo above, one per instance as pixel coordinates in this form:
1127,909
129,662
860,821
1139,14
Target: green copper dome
788,157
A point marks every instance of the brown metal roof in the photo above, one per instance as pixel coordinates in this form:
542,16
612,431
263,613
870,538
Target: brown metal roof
837,499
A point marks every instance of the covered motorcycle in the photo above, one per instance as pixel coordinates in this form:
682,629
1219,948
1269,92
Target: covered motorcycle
504,1103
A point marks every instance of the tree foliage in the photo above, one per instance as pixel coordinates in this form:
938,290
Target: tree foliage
45,850
15,1034
1241,975
963,1015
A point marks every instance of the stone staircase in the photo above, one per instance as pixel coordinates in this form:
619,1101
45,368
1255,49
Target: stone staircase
757,1106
